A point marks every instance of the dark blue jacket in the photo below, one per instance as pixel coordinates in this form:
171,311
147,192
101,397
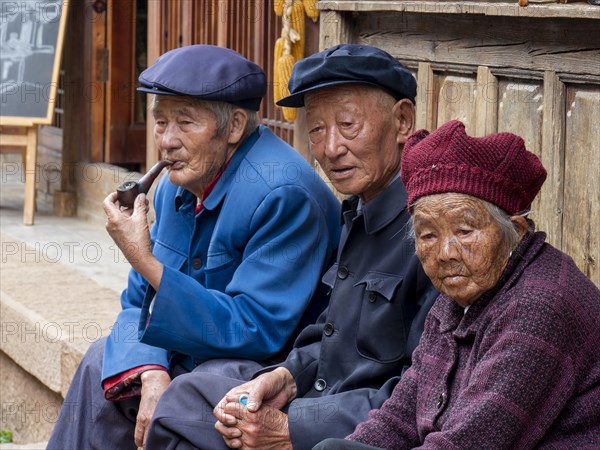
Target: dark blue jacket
239,276
349,361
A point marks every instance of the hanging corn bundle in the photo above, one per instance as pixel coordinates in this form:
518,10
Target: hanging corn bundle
278,7
298,30
289,48
277,54
284,61
310,7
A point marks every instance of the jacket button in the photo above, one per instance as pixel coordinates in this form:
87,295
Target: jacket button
372,297
441,399
320,385
328,330
342,273
196,263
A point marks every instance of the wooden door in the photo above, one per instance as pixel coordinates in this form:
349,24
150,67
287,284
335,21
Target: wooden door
125,118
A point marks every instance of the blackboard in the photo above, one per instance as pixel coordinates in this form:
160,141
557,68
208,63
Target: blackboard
31,36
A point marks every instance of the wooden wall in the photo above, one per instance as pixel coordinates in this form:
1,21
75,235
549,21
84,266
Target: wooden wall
538,77
249,27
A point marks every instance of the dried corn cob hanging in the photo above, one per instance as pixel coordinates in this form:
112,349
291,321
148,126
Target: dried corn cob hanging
286,63
310,7
278,7
298,26
284,60
277,54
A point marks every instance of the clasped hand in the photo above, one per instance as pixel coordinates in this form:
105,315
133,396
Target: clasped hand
260,424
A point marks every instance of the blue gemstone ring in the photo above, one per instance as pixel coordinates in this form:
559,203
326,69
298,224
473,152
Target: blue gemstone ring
244,399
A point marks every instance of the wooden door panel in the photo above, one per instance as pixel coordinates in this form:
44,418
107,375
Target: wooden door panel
125,140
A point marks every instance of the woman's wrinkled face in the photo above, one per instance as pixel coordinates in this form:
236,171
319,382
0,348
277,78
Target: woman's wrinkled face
460,245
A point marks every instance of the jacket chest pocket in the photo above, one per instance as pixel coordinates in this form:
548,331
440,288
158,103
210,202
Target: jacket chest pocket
219,270
169,256
328,278
381,333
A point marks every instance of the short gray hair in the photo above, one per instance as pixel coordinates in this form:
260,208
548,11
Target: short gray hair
510,234
222,112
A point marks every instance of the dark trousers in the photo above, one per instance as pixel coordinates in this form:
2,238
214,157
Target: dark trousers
184,418
342,444
88,421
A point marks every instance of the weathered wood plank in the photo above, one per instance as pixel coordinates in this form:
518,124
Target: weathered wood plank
50,137
456,100
426,96
496,42
520,111
334,28
510,8
581,221
486,102
97,74
153,52
187,16
553,159
30,175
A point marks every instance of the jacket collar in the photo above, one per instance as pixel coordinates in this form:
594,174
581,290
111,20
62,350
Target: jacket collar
380,211
452,317
185,197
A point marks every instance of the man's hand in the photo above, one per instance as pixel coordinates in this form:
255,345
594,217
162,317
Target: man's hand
264,429
129,227
259,424
154,383
130,231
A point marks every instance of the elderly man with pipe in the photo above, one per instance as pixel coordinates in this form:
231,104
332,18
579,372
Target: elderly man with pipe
360,111
244,228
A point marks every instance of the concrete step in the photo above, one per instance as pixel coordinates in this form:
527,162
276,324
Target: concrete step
60,282
36,446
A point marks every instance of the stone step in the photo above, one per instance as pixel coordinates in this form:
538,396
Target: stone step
60,281
36,446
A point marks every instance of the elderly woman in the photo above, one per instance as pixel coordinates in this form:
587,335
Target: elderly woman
510,353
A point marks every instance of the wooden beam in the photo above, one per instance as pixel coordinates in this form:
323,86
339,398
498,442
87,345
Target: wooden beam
553,158
154,40
30,175
78,103
532,45
467,7
96,89
222,23
13,139
187,16
426,95
486,102
335,28
581,218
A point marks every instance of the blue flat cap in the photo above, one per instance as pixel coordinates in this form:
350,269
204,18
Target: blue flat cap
206,72
345,64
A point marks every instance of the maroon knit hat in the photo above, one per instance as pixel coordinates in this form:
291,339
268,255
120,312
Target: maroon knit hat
496,168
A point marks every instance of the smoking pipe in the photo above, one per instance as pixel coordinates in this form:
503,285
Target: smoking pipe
128,191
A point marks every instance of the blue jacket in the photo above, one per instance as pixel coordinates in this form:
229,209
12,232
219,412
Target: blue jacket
238,276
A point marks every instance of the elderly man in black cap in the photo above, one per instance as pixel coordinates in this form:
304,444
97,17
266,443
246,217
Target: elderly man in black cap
244,230
360,110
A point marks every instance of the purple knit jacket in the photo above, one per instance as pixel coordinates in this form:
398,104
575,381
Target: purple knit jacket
519,370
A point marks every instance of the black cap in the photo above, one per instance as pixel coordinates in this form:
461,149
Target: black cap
349,63
206,72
